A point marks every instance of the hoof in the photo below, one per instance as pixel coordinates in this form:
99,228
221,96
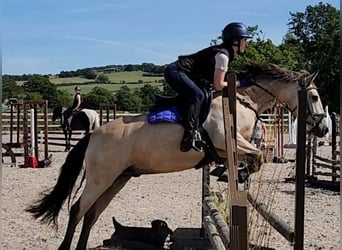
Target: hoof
218,171
223,178
218,196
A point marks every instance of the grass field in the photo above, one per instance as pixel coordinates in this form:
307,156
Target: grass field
132,79
115,77
110,87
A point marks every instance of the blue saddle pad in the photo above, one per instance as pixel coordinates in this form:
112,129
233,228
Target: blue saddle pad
166,115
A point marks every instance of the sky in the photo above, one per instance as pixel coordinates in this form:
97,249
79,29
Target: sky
50,36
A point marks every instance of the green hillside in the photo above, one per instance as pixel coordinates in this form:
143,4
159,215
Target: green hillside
132,79
111,87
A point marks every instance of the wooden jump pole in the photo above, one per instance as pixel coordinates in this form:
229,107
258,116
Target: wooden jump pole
280,130
221,235
333,145
238,199
314,161
275,221
26,105
18,109
107,106
300,170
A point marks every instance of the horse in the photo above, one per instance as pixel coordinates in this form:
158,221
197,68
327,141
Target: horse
85,119
130,146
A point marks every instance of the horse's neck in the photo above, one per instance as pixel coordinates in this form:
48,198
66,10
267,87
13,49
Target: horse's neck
253,100
260,101
263,99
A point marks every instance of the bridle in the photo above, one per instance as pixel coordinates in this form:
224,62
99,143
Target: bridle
312,119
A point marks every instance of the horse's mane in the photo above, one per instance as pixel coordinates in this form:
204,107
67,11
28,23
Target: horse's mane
255,69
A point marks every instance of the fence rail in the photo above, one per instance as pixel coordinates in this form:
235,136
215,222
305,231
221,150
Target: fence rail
53,125
269,119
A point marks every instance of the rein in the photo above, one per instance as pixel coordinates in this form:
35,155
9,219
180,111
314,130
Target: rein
271,94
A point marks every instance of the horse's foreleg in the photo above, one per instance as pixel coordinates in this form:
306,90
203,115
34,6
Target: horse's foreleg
94,212
69,139
253,155
65,131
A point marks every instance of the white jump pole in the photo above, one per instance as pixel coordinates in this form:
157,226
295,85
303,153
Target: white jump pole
292,133
329,121
31,159
33,139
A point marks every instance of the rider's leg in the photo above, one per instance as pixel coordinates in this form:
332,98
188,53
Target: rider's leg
191,125
188,89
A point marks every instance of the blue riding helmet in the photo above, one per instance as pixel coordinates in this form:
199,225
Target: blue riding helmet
235,30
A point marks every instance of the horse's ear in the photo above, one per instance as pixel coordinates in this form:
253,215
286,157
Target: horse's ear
311,77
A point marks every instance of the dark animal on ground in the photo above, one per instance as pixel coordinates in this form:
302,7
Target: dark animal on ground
156,235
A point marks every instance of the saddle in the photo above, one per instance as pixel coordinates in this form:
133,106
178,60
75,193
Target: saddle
172,109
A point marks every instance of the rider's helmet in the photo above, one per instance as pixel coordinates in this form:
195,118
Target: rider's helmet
234,30
77,88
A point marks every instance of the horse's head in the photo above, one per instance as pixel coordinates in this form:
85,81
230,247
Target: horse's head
274,82
316,120
56,113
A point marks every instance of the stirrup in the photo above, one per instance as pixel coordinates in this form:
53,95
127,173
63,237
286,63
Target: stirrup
197,142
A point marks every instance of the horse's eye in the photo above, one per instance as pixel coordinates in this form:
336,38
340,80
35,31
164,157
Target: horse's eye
315,98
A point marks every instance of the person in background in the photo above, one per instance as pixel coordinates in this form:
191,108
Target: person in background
5,105
194,76
76,105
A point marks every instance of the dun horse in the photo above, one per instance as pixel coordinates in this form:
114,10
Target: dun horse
130,146
86,119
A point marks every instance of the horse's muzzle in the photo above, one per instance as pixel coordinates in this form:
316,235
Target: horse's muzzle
319,124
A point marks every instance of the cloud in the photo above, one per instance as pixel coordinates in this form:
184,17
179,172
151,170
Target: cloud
82,38
139,49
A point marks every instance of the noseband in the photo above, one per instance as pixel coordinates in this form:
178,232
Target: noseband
313,119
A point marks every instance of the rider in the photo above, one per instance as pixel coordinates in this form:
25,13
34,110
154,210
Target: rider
76,105
193,76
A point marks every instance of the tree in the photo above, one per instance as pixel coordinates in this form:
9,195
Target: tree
262,50
147,94
266,51
64,98
40,87
97,96
127,100
102,79
10,88
315,34
90,73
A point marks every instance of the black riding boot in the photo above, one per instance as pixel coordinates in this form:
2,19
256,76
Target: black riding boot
191,134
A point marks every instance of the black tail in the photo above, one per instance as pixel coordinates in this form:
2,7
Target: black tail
50,204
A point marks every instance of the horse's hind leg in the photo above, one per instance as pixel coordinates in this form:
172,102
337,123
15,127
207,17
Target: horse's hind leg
94,212
73,221
89,196
69,140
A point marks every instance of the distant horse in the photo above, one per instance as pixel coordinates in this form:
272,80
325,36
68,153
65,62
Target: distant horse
86,119
130,146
